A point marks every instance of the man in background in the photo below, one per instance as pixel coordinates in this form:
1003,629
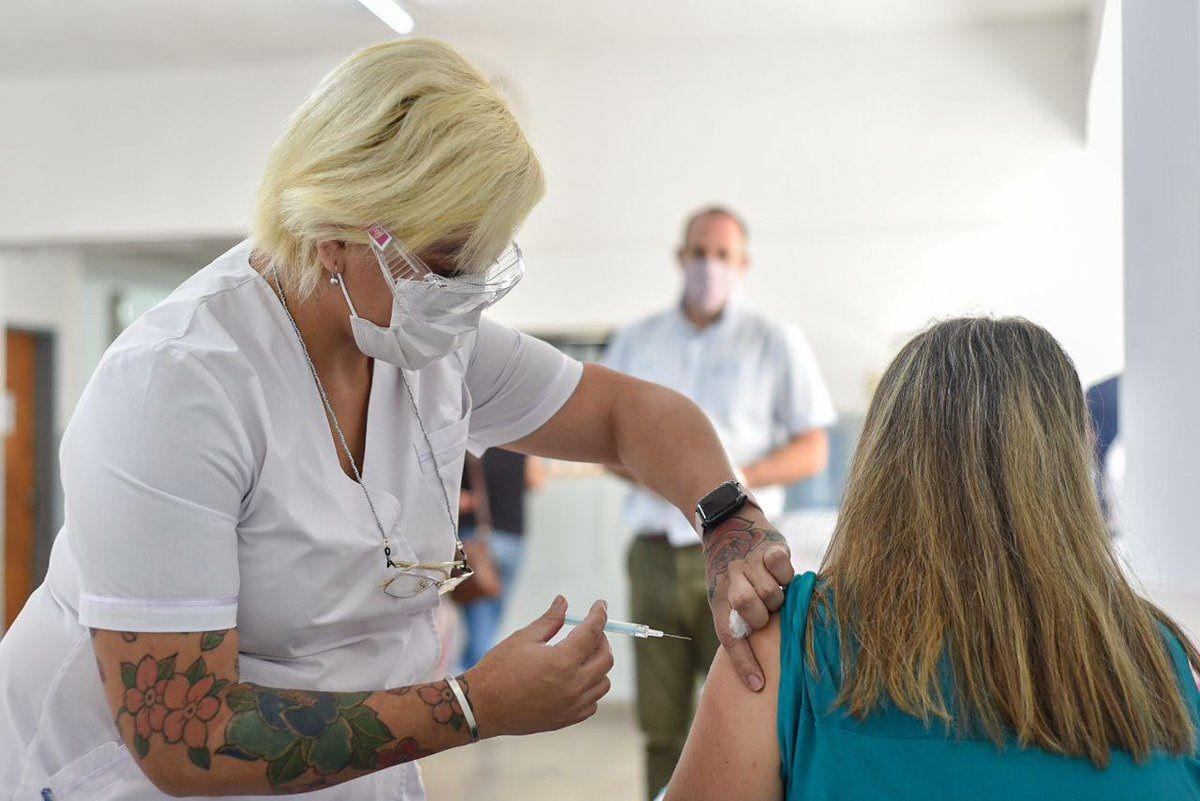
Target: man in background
759,383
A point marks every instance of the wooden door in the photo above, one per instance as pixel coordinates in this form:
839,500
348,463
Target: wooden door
20,473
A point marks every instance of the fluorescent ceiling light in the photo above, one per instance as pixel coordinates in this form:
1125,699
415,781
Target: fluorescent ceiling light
391,13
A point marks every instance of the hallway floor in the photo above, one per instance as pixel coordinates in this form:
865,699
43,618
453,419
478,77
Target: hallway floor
598,760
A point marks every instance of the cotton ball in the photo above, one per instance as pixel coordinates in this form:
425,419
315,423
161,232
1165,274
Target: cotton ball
737,626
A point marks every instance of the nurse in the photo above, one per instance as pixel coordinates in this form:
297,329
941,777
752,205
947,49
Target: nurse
261,479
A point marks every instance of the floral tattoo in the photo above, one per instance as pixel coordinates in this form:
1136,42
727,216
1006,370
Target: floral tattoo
732,541
304,738
174,706
296,731
211,639
441,699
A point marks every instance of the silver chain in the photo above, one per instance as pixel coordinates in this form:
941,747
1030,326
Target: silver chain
387,551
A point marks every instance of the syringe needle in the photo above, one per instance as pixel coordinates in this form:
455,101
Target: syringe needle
639,630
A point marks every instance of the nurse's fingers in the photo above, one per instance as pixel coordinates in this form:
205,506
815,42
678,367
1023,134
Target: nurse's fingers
588,637
545,627
778,560
598,664
736,647
597,691
742,656
768,590
743,596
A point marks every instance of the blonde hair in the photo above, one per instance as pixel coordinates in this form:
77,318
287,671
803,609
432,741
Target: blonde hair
971,537
406,134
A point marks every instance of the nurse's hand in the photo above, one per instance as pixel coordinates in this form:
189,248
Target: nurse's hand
748,564
524,685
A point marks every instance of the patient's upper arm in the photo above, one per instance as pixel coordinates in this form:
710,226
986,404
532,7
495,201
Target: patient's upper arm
733,750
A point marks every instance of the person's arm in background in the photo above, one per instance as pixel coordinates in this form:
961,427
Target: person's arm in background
802,406
803,456
667,443
535,473
733,748
198,730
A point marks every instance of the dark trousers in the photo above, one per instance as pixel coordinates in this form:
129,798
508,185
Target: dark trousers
668,591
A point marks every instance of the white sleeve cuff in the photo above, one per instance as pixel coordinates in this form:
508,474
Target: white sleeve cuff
157,614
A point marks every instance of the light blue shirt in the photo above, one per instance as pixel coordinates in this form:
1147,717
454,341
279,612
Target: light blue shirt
757,380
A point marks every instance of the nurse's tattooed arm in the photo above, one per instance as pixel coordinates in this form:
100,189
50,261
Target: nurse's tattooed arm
197,730
664,442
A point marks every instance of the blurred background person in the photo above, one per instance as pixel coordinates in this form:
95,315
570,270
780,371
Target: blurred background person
1104,408
759,383
491,512
970,635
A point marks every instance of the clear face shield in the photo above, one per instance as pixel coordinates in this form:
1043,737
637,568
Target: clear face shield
431,297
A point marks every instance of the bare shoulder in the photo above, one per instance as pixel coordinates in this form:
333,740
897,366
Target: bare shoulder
732,750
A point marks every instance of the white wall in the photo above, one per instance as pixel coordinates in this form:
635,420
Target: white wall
141,155
1159,425
887,179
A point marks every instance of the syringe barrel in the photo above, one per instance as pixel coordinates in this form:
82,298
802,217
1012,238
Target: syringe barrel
633,629
616,627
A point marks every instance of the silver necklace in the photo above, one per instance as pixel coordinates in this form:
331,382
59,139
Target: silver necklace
337,427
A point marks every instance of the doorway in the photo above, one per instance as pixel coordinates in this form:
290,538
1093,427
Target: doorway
29,464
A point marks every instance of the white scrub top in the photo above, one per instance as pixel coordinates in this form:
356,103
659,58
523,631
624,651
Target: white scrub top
758,382
203,491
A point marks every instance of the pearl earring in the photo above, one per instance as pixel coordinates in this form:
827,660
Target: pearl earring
333,279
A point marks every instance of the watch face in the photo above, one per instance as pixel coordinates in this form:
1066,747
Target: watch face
721,499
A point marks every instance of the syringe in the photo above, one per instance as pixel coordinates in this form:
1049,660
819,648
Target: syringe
640,630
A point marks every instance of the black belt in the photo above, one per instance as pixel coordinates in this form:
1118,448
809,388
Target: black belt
660,536
653,534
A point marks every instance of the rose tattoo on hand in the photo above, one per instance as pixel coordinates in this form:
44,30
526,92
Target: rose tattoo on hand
732,541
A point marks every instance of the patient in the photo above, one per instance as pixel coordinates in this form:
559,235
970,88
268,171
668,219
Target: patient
970,634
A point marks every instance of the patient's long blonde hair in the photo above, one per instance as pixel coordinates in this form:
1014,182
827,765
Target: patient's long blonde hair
971,529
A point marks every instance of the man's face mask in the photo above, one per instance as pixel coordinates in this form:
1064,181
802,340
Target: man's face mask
432,314
708,283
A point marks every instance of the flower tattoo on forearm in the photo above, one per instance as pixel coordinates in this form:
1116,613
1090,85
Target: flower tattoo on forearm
442,701
731,541
297,731
304,739
305,733
172,705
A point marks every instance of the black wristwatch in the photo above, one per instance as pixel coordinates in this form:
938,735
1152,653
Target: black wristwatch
721,504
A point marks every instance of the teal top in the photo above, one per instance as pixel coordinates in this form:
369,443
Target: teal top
827,755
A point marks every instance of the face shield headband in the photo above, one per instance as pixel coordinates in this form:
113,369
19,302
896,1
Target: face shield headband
427,295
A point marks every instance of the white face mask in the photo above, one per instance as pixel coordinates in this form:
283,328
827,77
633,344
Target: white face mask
708,284
408,342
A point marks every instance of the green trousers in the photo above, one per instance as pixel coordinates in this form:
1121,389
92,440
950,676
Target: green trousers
668,591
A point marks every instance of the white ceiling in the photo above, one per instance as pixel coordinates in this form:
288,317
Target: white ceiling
45,36
41,36
717,19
